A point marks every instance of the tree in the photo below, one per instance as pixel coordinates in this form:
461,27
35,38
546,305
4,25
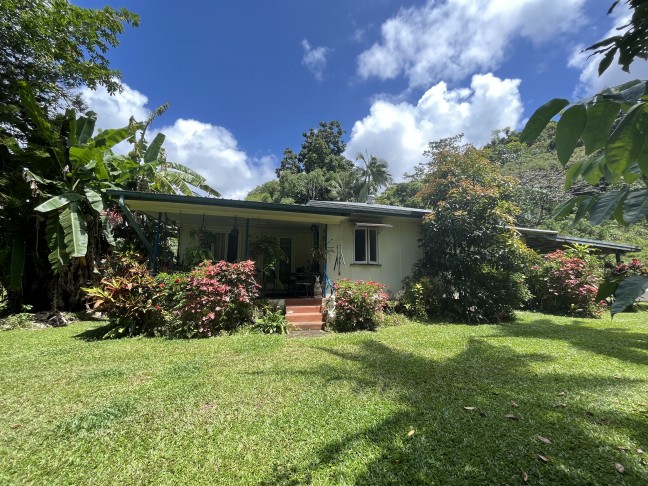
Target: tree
323,148
469,248
55,47
613,126
375,174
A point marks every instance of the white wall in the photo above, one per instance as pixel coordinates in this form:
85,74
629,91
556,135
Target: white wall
398,251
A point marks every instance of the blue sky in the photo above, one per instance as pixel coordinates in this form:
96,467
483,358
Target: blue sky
246,78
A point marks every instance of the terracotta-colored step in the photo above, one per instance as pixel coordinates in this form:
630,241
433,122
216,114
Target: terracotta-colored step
309,326
300,309
310,317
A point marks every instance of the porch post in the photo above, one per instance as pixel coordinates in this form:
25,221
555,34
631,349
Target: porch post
325,283
247,238
156,246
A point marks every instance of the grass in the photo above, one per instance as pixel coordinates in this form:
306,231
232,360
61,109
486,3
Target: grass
379,408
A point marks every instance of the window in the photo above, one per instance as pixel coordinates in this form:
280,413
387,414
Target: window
365,247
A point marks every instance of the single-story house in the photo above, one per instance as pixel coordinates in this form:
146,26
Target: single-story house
358,241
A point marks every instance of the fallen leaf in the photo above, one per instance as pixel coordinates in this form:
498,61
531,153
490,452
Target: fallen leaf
510,416
469,408
525,476
561,394
544,440
639,451
619,467
623,448
411,433
15,426
514,403
618,377
544,459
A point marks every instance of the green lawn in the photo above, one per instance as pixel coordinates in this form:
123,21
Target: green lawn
384,407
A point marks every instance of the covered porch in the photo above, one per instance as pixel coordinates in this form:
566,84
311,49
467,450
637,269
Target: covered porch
287,243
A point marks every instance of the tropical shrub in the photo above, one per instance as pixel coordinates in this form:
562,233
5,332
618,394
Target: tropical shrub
567,285
421,298
469,247
131,299
219,297
359,305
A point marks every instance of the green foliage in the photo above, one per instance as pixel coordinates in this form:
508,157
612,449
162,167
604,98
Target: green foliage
321,172
623,285
565,283
22,320
270,319
629,45
468,245
421,298
621,157
359,305
56,46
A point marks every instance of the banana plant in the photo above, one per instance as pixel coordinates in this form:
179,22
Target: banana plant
54,182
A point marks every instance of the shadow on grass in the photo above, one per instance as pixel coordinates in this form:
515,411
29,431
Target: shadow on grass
454,445
618,343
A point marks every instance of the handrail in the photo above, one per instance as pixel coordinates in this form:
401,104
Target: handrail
328,283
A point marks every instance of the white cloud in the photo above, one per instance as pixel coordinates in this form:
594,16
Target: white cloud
400,132
590,82
454,39
213,152
210,150
115,111
315,59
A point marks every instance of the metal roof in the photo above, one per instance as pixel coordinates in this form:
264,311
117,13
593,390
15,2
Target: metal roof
370,209
152,203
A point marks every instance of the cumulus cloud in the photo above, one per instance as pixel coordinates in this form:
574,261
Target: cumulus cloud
400,132
210,150
454,39
115,111
315,59
213,152
590,82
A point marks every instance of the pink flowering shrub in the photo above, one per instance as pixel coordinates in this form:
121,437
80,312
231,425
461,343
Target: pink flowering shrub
635,267
567,285
219,297
359,305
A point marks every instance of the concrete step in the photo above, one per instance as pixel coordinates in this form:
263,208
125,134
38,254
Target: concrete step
300,309
308,326
305,317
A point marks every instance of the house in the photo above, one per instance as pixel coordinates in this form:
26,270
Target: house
337,240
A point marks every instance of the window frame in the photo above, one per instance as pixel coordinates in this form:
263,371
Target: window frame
367,240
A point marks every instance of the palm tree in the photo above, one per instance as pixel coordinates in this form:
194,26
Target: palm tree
345,185
375,174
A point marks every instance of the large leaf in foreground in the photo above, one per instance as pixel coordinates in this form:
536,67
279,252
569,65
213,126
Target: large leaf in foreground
635,207
568,131
628,291
600,117
540,118
73,224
